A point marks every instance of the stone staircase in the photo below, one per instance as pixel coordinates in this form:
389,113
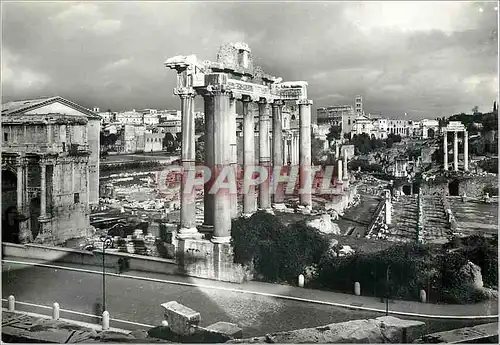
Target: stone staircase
474,216
435,219
404,219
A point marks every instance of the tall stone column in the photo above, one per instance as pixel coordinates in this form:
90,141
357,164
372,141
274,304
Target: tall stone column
445,149
345,176
87,186
278,148
188,156
234,154
305,175
249,202
217,98
455,150
339,171
43,190
285,151
264,155
20,187
208,202
466,151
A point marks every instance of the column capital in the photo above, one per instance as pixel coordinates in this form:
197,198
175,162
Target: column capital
278,103
184,92
304,102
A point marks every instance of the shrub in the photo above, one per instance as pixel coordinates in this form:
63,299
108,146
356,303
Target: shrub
278,252
407,271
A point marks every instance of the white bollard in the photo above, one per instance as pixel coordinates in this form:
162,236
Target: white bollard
105,320
55,311
301,280
12,303
357,289
423,296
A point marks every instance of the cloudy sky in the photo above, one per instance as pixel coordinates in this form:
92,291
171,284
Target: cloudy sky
428,59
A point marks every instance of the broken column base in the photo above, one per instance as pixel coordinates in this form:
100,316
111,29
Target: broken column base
208,260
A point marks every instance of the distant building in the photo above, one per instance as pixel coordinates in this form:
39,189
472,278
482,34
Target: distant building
171,126
150,117
50,169
398,127
153,142
129,118
358,105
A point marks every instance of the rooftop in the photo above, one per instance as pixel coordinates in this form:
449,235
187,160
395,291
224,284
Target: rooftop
22,106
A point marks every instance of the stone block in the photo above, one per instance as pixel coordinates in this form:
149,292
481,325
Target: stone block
229,329
182,320
403,331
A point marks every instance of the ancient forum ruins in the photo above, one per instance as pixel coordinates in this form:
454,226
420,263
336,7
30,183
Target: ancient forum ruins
455,127
235,78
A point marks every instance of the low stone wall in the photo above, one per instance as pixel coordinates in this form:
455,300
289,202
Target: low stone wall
94,258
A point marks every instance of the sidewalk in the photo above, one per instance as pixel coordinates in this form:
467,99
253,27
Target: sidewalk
485,310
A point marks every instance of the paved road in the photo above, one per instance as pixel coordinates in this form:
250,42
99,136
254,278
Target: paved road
139,300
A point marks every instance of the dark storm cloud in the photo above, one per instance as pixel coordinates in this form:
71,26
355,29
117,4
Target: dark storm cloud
427,59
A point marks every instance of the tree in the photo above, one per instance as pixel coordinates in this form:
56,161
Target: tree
334,134
495,106
317,149
200,149
475,110
199,125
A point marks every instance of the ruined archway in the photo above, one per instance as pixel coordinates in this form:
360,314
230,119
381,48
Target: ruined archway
453,188
431,133
10,226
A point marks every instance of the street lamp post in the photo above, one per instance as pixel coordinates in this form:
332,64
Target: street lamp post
387,290
106,242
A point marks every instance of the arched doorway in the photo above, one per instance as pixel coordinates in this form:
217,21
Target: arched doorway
453,188
430,133
34,214
407,189
10,226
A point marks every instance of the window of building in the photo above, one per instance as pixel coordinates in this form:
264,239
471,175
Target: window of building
348,122
76,198
64,146
6,137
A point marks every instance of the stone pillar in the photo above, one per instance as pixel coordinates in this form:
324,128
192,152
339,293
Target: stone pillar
337,150
345,176
339,171
234,154
466,151
285,151
43,190
20,187
87,186
388,208
305,175
445,149
278,148
249,205
188,156
208,213
264,154
217,98
455,151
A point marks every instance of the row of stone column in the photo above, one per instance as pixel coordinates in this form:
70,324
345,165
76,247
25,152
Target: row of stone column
455,150
220,152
